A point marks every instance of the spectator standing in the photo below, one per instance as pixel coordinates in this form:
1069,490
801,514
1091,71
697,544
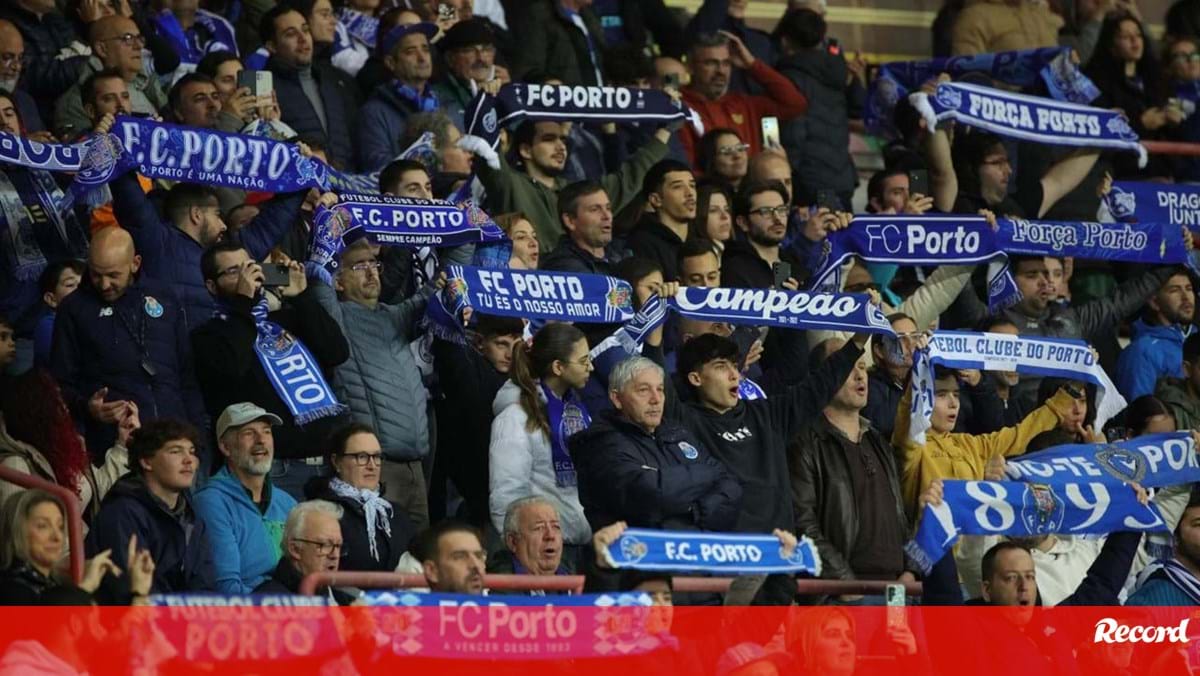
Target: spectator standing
760,213
723,158
730,15
587,220
567,44
383,118
670,191
1156,350
242,512
714,214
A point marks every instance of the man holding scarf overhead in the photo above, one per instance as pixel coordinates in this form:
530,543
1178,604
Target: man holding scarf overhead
271,346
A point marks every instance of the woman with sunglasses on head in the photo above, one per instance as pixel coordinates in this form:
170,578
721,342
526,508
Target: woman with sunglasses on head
375,531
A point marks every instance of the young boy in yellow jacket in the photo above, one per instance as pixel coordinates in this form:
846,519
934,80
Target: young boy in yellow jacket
946,455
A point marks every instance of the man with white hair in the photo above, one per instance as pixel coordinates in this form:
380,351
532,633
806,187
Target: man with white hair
312,543
635,467
533,540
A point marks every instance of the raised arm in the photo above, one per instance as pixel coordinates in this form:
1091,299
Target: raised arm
1013,440
1065,176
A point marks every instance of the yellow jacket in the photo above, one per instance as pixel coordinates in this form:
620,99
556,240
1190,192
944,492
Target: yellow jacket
963,456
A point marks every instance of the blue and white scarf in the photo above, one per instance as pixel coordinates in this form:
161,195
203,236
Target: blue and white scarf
173,152
362,27
292,370
1153,460
1153,243
1018,509
568,416
521,101
916,240
561,296
425,101
645,549
329,230
410,222
187,44
1049,65
1176,573
783,309
1053,357
1029,118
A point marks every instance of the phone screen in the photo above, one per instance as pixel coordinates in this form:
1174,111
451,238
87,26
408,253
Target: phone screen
770,132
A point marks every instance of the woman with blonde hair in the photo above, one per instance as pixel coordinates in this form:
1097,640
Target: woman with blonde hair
525,249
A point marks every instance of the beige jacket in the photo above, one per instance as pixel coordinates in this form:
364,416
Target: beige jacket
1002,25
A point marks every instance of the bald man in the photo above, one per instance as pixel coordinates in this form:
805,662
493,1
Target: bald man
116,46
120,338
12,53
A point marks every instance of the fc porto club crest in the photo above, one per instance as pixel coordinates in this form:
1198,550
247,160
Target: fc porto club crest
1118,126
152,307
572,421
489,121
618,297
689,451
99,160
632,549
1042,511
276,344
1122,464
948,98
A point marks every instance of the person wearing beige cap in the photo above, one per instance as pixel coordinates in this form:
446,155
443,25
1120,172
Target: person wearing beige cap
242,514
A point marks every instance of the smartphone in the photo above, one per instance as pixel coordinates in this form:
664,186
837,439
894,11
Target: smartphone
782,271
918,182
770,132
828,199
276,274
447,12
260,82
895,605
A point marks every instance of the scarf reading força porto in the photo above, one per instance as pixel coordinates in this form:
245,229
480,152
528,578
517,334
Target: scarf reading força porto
1051,66
645,549
1019,509
1053,357
1029,118
292,370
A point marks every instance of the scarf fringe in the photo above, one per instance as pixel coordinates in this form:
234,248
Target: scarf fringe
318,413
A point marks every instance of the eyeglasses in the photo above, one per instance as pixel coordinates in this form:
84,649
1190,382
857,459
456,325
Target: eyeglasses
129,39
767,212
325,548
1186,56
364,459
734,150
232,270
366,265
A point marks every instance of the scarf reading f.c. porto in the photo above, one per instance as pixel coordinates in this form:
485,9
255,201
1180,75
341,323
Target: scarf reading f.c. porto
917,240
646,549
177,153
1019,509
292,370
1053,357
408,222
1154,461
567,416
562,296
450,626
1050,65
1029,118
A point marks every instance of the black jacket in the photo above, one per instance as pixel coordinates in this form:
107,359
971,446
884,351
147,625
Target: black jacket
45,76
641,19
751,438
98,345
232,372
666,480
742,267
818,142
469,384
567,256
21,585
355,546
557,47
656,242
177,541
286,580
823,492
340,96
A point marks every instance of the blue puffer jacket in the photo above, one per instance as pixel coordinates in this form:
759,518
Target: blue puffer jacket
172,257
177,541
246,543
1156,351
381,124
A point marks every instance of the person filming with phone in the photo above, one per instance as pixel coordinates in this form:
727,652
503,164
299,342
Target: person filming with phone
256,300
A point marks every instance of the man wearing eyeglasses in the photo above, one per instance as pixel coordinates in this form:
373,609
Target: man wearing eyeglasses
761,214
233,371
12,63
312,543
117,44
470,49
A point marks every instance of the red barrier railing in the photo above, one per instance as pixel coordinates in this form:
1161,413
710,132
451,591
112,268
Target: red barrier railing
1172,148
574,583
74,514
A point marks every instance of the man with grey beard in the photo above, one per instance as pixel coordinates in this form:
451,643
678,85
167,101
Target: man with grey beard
244,516
12,60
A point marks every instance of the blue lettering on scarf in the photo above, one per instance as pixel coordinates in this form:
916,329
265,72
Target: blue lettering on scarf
645,549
